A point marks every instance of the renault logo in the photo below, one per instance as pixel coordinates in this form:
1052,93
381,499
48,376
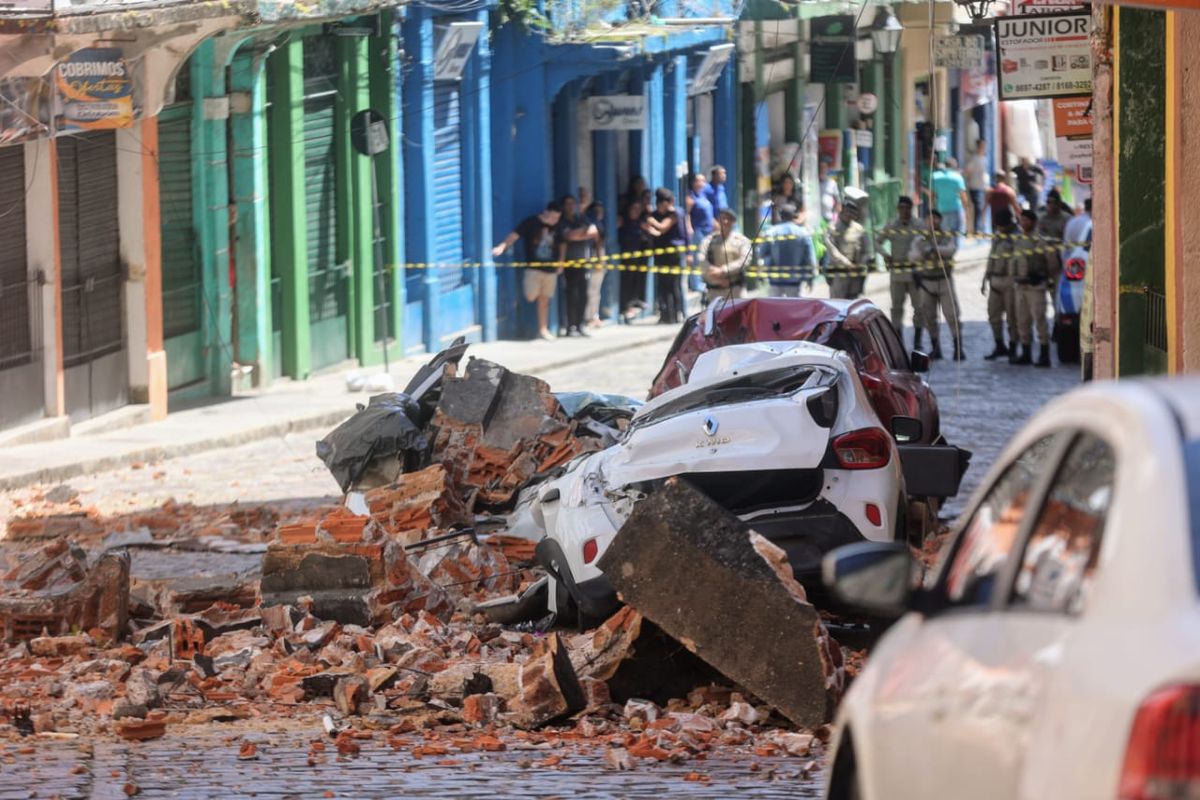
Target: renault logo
711,426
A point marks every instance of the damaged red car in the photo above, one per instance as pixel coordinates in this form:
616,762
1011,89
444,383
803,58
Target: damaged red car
859,327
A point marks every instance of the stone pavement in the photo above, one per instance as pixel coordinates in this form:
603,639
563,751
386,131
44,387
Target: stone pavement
285,407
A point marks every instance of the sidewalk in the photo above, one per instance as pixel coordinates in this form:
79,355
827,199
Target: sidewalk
285,407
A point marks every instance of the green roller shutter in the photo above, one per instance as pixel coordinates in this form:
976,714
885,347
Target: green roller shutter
182,282
328,280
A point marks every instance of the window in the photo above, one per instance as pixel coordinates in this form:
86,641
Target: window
1059,562
989,536
892,348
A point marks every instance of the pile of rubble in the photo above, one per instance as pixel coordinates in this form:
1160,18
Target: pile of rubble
367,612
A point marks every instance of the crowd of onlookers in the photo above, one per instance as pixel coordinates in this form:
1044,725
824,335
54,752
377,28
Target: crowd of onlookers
694,239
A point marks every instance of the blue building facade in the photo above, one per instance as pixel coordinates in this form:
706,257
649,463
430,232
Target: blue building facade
543,146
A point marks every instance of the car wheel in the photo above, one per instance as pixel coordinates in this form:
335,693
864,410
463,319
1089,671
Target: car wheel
844,783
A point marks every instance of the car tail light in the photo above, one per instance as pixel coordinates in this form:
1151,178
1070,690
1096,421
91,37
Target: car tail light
1075,269
590,549
873,515
1162,759
869,448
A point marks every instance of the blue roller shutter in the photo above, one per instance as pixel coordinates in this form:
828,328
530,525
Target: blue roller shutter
447,200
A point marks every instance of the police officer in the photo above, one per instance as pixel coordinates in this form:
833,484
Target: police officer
1031,271
998,287
850,254
933,253
725,254
898,239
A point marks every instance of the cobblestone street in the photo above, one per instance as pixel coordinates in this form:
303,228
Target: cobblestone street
982,404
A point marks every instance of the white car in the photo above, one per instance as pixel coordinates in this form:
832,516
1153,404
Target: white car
1055,653
780,433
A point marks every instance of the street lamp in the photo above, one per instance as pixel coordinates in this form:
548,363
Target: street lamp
885,31
976,9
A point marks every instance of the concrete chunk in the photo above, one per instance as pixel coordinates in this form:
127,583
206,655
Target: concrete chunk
699,573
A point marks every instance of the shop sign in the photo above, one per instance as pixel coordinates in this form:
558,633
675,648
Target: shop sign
95,90
1073,136
959,52
1046,6
1046,55
617,112
832,49
709,71
867,103
454,49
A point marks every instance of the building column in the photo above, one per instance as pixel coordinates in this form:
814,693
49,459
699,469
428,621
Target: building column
248,127
389,172
658,172
45,260
1101,278
873,82
604,146
418,173
477,153
289,247
725,130
675,102
356,213
1185,101
210,182
141,253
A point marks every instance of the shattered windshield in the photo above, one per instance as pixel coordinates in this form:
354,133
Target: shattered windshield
744,389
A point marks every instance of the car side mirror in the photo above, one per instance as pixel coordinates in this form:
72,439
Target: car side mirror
918,361
907,429
871,577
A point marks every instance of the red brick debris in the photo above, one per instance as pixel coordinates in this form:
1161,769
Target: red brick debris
366,620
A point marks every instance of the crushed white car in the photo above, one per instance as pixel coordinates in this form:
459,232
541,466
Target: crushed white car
780,433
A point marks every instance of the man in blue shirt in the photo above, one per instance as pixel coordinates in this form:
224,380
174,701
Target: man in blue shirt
950,198
789,250
715,190
701,218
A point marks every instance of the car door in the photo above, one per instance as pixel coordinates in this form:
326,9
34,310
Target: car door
921,701
911,393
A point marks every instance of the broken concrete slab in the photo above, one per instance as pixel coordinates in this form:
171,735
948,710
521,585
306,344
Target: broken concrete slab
691,567
549,688
352,583
55,591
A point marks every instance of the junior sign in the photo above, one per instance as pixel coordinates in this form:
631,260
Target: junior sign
1044,55
617,112
95,90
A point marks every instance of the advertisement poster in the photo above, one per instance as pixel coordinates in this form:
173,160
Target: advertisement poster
95,90
829,148
1073,136
1046,55
832,50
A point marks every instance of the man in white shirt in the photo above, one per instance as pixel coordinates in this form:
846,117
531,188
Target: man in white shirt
976,174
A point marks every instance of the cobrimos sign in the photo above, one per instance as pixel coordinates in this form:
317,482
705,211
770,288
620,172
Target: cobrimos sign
95,90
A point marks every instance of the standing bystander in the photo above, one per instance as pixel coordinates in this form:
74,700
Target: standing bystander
1031,272
789,254
537,237
976,174
933,253
998,286
633,238
950,198
669,231
1030,177
1002,201
849,253
576,243
725,254
715,191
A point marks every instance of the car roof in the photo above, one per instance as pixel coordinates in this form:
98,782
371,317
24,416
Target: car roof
1182,394
803,312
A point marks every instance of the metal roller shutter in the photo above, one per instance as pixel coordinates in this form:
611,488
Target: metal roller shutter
16,341
182,284
447,200
91,257
328,281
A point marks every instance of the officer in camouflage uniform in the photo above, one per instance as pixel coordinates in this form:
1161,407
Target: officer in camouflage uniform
999,288
933,253
898,239
1031,270
850,254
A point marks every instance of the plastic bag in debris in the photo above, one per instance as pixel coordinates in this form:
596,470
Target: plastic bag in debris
601,407
381,437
